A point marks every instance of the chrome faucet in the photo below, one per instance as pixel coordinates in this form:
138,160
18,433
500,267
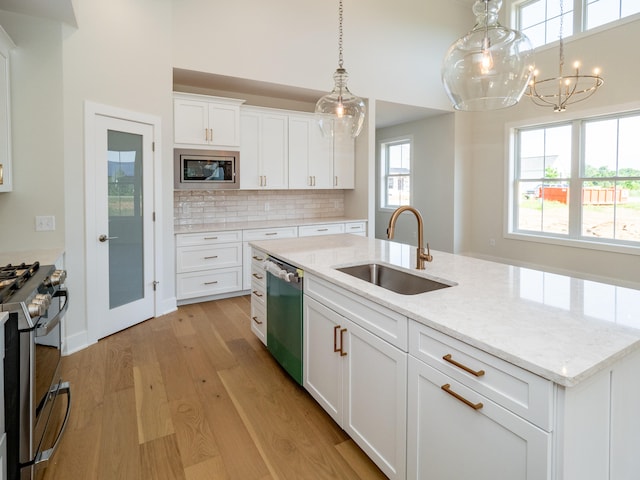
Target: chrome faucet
421,256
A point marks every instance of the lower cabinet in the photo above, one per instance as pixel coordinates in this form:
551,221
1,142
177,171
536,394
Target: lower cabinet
457,434
360,380
258,295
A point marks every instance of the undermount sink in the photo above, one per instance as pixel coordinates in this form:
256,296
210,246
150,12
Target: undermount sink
392,279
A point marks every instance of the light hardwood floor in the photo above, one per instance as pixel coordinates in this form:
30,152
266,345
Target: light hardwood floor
194,395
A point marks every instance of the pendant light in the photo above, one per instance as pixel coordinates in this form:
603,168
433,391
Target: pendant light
488,68
340,110
563,90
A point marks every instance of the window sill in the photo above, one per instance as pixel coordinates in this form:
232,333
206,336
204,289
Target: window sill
572,242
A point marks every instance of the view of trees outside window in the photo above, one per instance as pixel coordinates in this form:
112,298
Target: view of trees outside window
397,168
608,179
123,184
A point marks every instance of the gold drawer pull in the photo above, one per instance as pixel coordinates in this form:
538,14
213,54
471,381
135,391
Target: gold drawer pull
322,230
447,388
210,238
259,277
211,283
255,319
335,338
342,352
257,294
271,233
477,373
211,257
259,259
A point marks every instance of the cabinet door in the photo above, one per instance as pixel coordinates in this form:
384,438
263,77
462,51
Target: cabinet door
343,161
449,439
299,153
190,121
321,160
250,174
274,151
6,44
224,125
322,364
375,399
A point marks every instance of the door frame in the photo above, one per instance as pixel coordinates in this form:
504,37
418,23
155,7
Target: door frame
91,111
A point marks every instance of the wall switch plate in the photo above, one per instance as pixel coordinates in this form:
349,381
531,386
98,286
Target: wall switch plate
45,223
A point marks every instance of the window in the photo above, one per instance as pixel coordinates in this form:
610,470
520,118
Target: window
579,180
395,169
540,19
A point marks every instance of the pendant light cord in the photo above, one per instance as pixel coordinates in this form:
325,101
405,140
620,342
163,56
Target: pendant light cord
340,62
560,33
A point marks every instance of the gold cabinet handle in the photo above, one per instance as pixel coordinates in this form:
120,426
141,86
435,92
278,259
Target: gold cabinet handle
211,283
447,388
259,277
271,233
335,338
322,229
477,373
255,319
211,257
335,181
259,259
256,293
211,134
342,352
210,238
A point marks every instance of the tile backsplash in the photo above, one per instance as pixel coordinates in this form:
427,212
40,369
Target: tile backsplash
199,207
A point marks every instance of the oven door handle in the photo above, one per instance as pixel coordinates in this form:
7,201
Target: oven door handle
44,329
62,387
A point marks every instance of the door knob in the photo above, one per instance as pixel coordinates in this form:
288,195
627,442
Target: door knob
104,238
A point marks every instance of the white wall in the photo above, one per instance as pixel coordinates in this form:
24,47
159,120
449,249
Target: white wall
120,56
612,51
38,156
433,182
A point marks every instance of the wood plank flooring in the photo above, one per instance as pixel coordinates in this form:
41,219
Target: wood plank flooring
194,395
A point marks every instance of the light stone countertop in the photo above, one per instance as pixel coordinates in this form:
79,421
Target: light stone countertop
226,226
46,256
561,328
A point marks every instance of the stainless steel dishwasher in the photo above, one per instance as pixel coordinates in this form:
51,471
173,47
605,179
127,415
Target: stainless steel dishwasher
284,315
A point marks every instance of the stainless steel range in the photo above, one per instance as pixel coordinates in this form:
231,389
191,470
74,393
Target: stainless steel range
35,410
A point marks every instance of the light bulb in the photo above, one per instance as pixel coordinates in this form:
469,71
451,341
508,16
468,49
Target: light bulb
486,62
340,110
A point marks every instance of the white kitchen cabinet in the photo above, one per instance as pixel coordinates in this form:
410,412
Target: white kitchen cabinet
344,173
356,228
360,380
321,229
6,176
449,438
310,154
263,149
258,295
201,120
255,234
208,264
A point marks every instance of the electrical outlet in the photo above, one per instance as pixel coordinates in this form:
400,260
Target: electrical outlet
45,223
492,242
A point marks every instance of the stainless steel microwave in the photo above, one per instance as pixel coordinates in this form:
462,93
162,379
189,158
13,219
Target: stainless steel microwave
206,169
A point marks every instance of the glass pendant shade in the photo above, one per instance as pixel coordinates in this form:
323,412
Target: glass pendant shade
488,68
340,110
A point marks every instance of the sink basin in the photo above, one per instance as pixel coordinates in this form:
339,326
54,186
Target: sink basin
392,279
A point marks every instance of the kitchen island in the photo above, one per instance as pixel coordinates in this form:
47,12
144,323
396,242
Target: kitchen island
572,346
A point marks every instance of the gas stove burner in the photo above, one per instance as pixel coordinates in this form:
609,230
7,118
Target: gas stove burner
13,277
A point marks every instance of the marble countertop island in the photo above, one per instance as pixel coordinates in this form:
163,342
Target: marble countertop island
562,328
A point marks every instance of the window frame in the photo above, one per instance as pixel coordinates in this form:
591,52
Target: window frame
579,20
574,237
383,178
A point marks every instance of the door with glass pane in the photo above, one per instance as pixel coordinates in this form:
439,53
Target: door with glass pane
121,286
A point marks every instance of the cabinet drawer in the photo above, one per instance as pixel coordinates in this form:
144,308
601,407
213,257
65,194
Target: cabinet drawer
258,294
518,390
325,229
209,282
355,227
258,277
196,258
259,321
269,233
257,257
207,238
386,324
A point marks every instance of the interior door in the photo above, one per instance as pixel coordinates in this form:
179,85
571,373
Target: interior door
120,237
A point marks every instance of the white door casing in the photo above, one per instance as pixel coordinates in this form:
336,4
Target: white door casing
102,319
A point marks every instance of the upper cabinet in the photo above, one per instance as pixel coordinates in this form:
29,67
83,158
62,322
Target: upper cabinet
202,120
263,149
6,44
310,154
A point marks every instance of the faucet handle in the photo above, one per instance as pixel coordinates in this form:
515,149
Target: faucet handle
428,257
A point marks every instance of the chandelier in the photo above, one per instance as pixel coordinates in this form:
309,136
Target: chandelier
489,67
563,90
340,110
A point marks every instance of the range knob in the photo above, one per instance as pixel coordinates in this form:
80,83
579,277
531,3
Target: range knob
42,299
36,309
57,277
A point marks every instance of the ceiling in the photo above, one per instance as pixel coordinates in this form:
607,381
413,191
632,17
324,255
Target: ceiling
387,113
61,10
